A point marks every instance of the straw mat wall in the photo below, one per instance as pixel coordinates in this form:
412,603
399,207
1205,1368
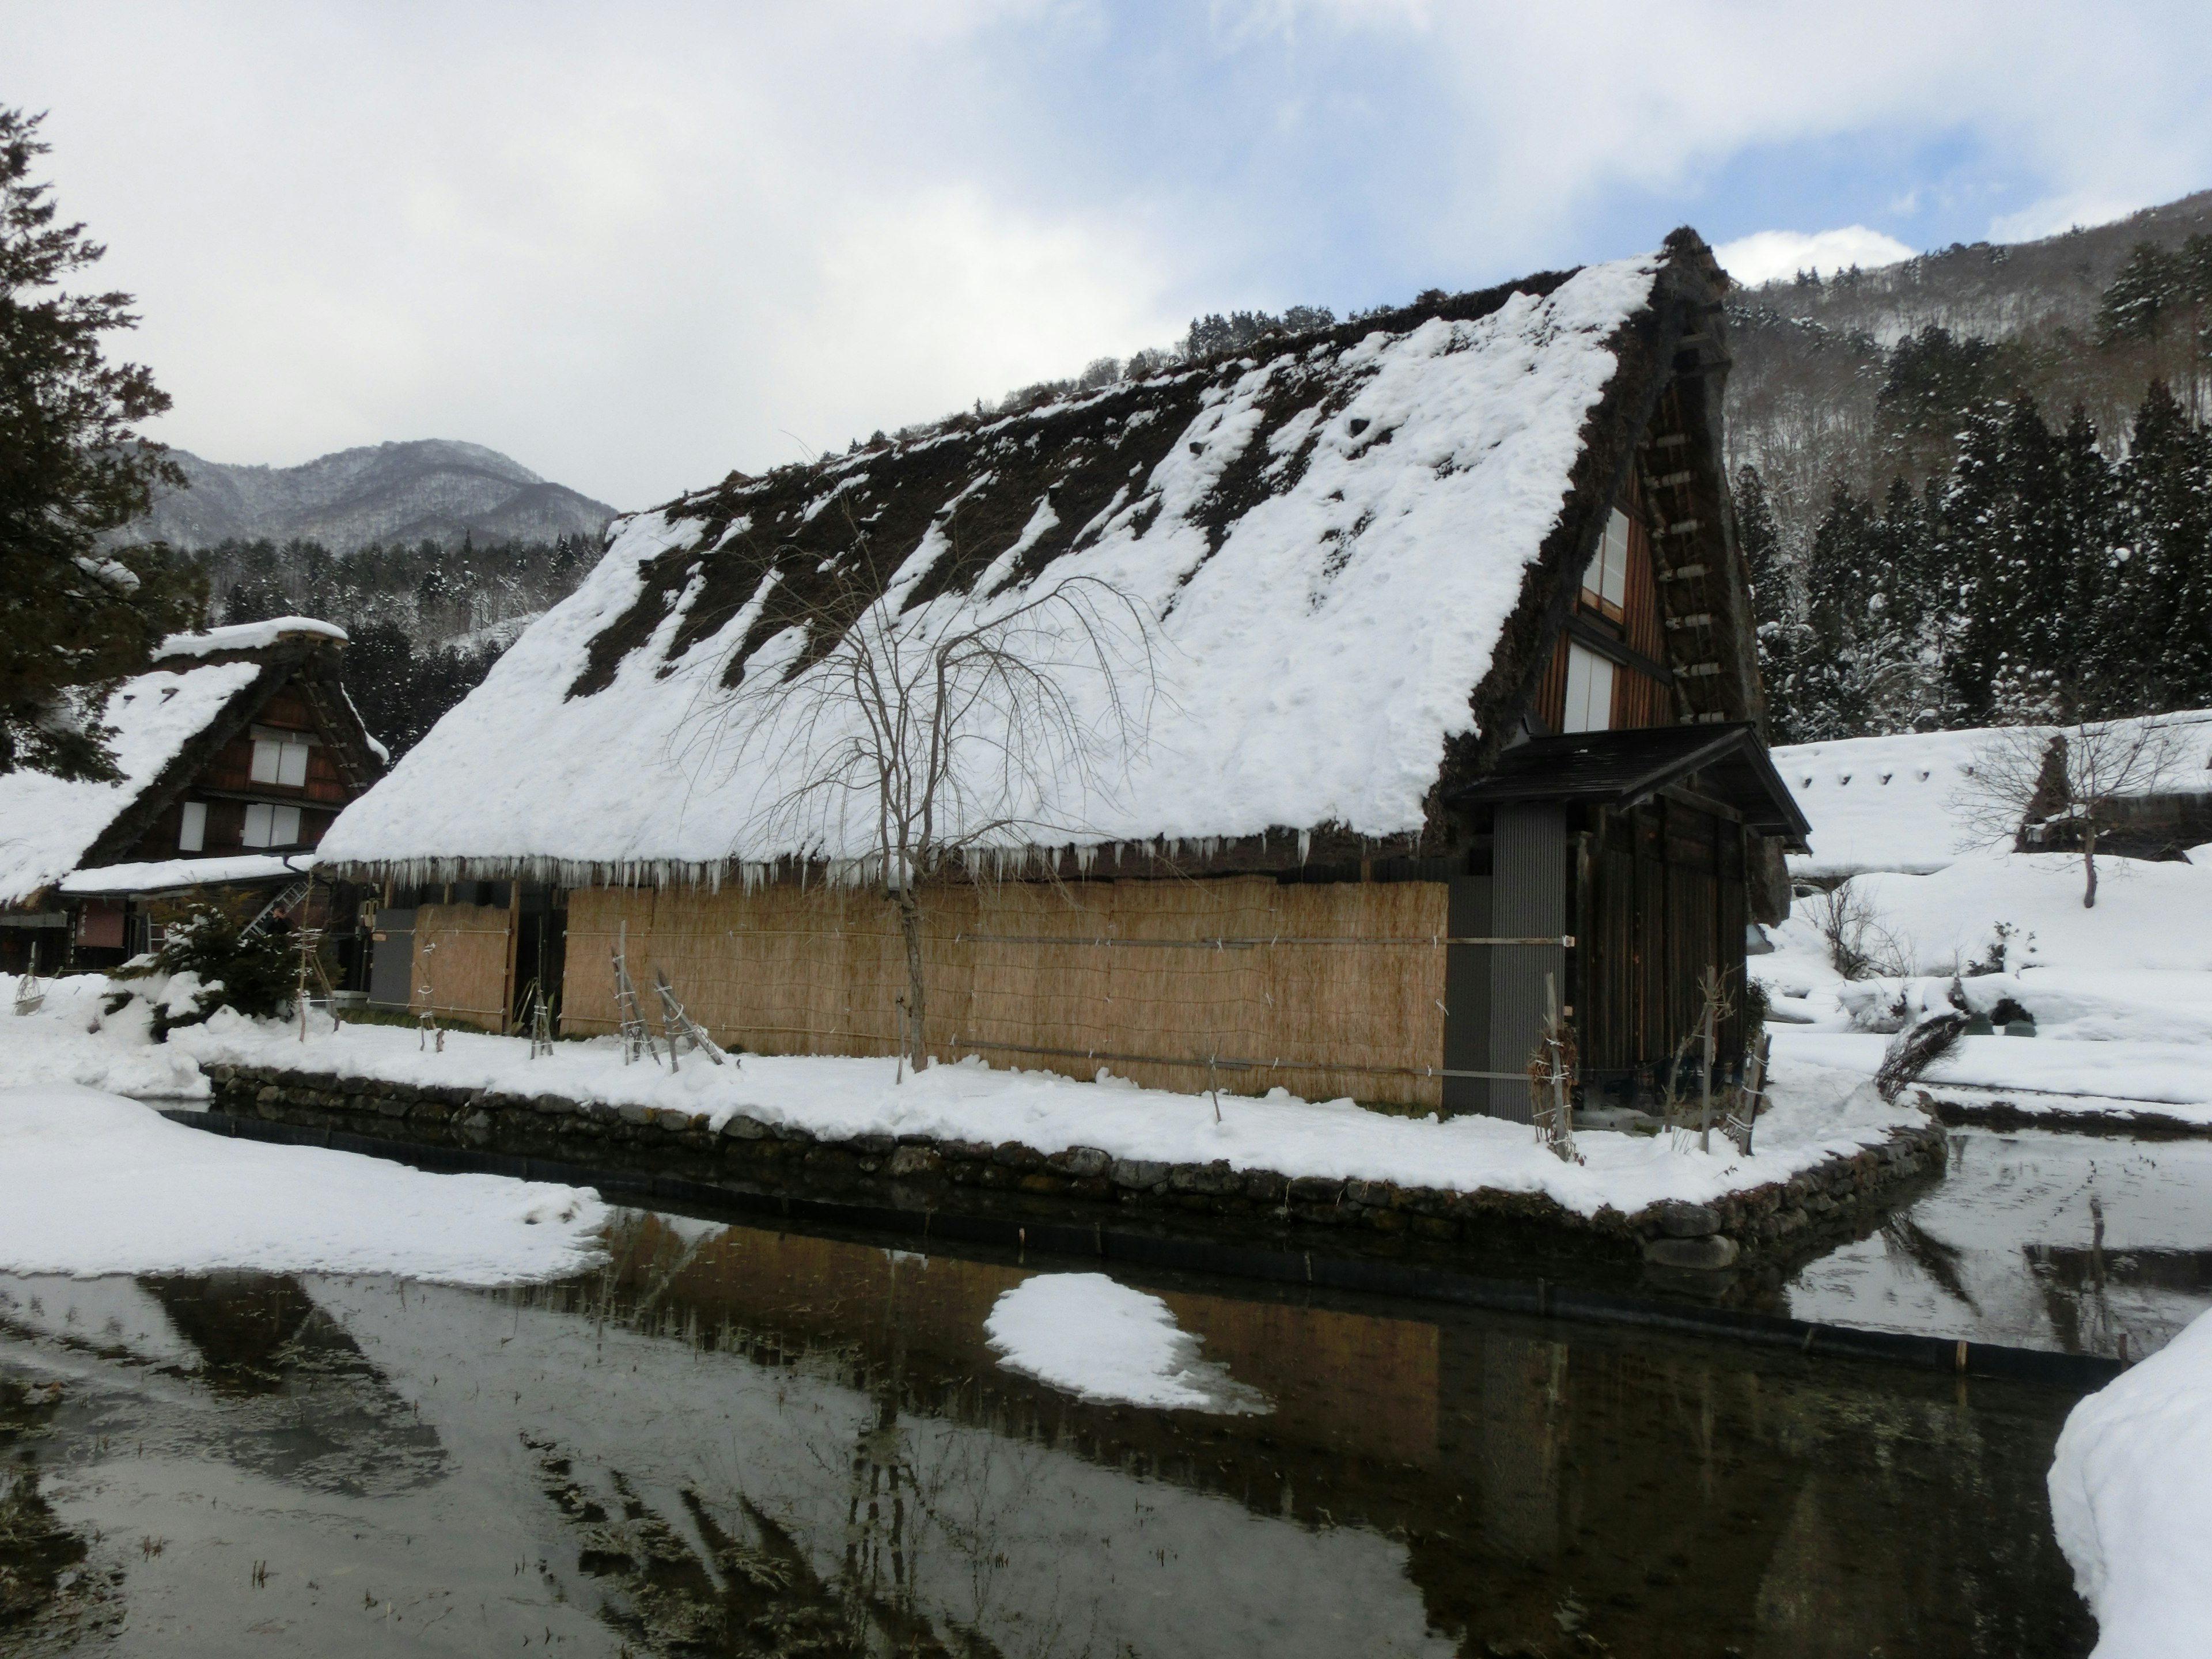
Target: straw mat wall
460,955
782,971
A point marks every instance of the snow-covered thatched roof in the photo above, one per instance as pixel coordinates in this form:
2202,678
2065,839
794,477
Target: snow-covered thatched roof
201,690
1355,546
1906,802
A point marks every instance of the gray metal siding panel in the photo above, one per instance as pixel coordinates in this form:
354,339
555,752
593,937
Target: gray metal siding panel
1528,900
1467,997
391,960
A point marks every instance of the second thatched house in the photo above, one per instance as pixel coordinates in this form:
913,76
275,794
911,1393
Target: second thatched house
1392,678
234,749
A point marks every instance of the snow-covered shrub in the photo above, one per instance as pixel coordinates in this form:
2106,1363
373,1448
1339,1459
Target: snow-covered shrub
208,961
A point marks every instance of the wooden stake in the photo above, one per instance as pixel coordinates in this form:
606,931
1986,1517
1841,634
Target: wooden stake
1710,986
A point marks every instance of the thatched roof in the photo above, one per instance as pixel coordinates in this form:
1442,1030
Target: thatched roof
201,690
1354,546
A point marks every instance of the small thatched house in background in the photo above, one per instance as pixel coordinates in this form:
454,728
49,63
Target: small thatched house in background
237,746
1453,644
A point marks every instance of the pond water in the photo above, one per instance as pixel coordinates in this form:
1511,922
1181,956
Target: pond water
2035,1239
737,1441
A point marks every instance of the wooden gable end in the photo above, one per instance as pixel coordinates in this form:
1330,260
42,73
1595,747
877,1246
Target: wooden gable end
1666,633
249,794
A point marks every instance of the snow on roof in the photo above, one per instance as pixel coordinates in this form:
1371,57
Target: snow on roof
47,825
247,636
1332,537
1894,803
161,875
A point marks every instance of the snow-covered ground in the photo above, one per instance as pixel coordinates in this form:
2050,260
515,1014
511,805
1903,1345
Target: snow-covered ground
2120,995
2131,1501
99,1184
1819,1111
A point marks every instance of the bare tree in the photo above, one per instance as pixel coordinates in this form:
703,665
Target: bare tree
1858,945
956,732
2033,784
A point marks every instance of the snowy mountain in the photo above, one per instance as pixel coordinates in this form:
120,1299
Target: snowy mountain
397,494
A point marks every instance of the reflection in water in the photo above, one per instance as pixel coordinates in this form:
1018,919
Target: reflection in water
728,1441
2081,1243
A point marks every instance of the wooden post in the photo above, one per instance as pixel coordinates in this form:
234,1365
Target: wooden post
1712,988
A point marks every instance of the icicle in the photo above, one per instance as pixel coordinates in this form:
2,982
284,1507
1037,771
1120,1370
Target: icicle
1305,844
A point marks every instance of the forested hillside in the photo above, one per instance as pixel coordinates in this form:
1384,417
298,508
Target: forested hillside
433,555
428,621
1978,485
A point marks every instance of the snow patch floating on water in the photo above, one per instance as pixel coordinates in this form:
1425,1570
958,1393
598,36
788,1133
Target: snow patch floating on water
1106,1342
99,1184
2131,1501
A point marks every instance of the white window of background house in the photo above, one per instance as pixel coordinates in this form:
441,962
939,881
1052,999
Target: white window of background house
271,826
191,833
1605,584
280,759
1589,692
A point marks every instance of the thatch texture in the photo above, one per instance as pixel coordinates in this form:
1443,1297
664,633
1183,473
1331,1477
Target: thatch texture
461,963
784,970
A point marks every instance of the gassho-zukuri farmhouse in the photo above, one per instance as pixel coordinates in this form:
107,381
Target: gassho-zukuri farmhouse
1402,684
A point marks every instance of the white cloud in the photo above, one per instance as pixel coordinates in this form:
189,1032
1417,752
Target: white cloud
1765,255
636,246
2058,214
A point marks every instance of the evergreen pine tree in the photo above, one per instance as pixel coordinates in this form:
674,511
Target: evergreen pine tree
2167,483
74,620
1774,603
1832,679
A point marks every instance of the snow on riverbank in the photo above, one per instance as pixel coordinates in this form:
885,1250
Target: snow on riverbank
2131,1501
98,1184
2120,996
1105,1341
1817,1112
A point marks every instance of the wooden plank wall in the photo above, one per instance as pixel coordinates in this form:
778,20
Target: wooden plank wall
1662,898
780,970
461,954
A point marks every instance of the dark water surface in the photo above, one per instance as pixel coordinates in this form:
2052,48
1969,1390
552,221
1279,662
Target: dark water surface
2034,1238
733,1441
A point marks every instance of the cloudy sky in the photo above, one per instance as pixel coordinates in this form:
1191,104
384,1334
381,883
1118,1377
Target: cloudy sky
634,246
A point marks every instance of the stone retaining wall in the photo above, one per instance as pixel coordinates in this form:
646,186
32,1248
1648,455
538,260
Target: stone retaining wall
1781,1218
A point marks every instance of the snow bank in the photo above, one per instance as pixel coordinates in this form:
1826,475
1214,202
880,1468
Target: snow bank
247,636
72,1038
1818,1114
2149,915
2121,996
1314,662
163,873
2131,1501
2172,1079
1892,803
98,1184
1105,1341
47,825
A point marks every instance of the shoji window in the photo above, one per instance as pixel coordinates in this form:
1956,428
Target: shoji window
192,832
280,759
271,826
1589,692
1605,584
